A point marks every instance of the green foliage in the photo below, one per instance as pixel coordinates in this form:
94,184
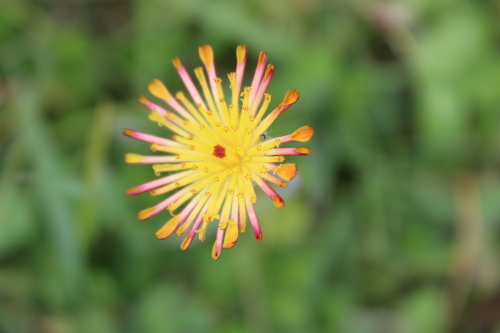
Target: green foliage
393,224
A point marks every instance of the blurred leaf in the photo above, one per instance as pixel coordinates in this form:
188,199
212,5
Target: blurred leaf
47,179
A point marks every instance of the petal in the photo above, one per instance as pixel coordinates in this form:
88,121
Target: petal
241,56
303,134
207,57
158,89
140,159
177,220
152,106
189,238
288,151
150,138
262,88
158,182
254,221
218,244
168,228
149,212
259,71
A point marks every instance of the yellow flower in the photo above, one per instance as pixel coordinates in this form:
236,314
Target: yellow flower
217,153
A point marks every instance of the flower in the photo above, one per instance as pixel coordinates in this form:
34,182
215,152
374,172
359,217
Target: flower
218,152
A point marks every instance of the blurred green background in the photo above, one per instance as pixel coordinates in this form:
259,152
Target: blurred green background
393,224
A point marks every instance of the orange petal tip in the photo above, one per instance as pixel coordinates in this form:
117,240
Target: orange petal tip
262,58
206,55
186,242
229,244
128,132
143,100
133,158
269,70
146,213
303,134
231,235
241,53
215,253
303,151
168,228
177,63
278,202
286,171
291,97
157,88
131,190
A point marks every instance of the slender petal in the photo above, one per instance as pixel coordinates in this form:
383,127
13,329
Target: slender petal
262,89
259,71
288,151
157,183
187,81
241,56
151,138
254,221
218,244
139,159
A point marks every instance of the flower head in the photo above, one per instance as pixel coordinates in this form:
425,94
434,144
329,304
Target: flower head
218,152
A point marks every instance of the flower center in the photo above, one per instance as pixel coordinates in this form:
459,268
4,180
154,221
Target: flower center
219,151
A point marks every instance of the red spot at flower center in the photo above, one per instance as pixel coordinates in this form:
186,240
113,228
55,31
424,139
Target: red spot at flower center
219,151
